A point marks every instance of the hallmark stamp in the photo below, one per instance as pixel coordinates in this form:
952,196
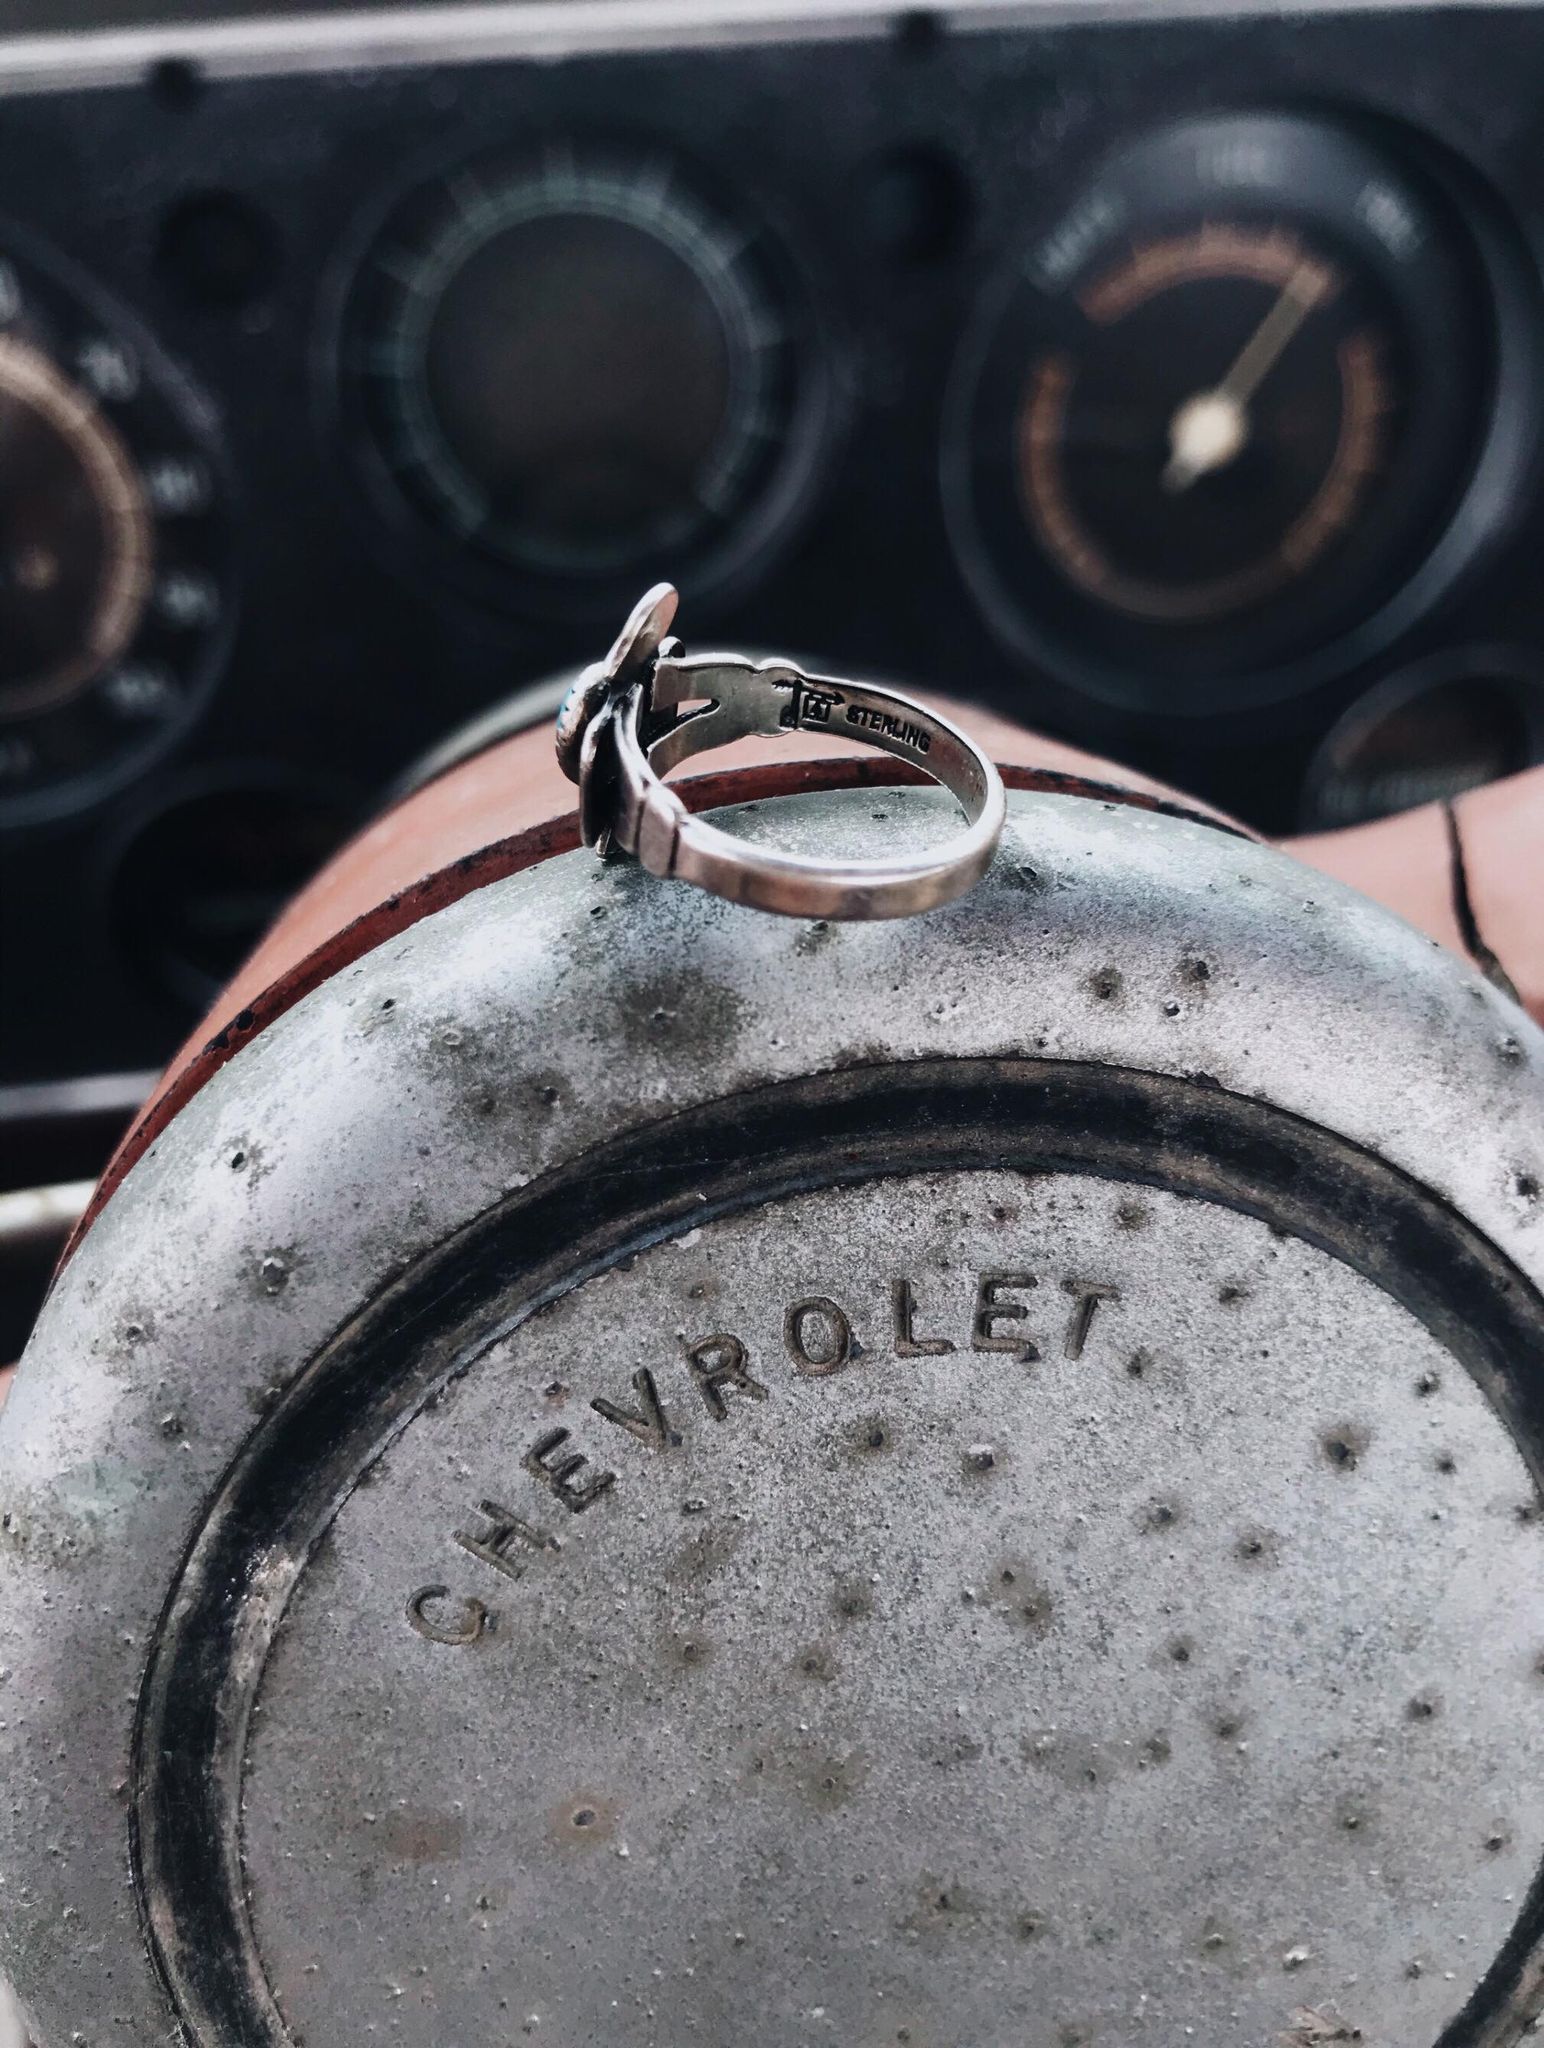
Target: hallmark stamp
809,704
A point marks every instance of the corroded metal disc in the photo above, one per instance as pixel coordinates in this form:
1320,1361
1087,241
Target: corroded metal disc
660,1476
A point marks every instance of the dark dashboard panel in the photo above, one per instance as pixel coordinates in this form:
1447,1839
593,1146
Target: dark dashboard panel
1169,384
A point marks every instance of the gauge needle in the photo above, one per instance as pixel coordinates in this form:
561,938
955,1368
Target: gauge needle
1211,428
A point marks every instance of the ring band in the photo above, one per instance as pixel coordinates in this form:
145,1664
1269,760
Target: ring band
621,730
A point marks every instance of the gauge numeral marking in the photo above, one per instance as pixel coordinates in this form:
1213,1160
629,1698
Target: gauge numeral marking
1065,248
108,368
176,486
472,199
186,599
1384,214
139,690
1241,162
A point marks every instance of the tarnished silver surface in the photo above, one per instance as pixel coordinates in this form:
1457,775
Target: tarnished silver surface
771,1747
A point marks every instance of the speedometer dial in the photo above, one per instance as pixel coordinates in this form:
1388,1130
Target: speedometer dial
114,595
1247,407
75,536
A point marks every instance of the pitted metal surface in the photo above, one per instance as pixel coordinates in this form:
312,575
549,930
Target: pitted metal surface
951,1697
1365,1850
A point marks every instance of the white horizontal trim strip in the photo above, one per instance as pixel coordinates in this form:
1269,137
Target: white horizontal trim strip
394,37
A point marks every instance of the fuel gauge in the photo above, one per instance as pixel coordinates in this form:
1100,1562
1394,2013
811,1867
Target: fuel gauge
1246,408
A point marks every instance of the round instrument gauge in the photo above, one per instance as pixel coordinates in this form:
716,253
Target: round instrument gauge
1247,408
113,545
1452,723
578,374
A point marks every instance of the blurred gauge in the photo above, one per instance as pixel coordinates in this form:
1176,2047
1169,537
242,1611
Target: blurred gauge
580,374
114,546
1452,723
1244,411
200,881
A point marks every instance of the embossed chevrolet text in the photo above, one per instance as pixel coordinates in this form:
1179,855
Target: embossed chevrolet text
819,1339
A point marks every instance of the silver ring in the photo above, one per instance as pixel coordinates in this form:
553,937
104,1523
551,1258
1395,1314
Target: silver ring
621,730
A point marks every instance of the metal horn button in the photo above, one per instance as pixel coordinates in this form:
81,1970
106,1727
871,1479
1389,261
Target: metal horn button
743,1502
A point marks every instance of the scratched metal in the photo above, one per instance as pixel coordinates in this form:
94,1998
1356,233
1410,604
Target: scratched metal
1326,1864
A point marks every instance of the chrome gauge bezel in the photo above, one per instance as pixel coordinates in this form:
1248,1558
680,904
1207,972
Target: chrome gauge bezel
1484,502
682,192
68,753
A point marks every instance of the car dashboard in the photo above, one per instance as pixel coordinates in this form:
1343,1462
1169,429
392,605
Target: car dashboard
1165,379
